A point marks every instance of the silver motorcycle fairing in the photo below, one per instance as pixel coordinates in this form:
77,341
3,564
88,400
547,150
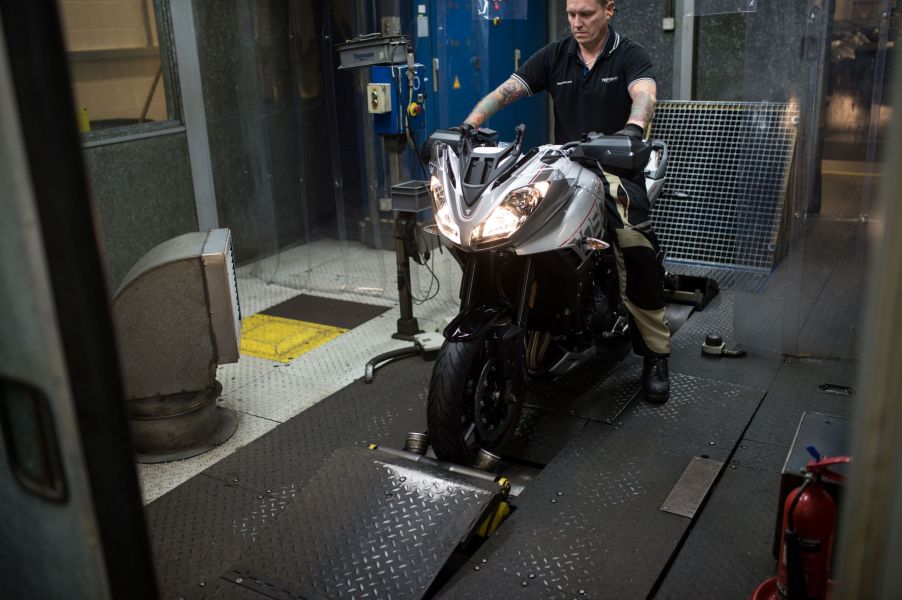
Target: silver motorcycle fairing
571,209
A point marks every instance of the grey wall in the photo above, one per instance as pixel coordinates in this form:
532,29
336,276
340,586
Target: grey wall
640,21
268,126
143,195
720,57
756,56
238,133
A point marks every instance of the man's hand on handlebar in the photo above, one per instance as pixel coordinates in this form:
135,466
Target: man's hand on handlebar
465,129
632,130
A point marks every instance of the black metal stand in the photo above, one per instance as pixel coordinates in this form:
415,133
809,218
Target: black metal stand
405,222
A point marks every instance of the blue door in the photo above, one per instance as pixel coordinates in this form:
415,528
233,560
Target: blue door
474,57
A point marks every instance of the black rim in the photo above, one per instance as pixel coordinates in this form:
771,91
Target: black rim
488,411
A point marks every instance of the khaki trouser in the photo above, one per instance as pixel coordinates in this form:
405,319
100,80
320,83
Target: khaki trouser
638,268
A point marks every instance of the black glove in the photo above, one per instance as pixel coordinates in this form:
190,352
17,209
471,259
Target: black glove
632,130
465,129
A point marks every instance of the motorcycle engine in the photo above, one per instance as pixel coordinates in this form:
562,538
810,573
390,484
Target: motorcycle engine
598,314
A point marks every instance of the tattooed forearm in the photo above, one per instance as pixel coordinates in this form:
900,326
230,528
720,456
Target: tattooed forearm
644,95
506,93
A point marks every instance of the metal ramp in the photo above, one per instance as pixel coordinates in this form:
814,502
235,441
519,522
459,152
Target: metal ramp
371,523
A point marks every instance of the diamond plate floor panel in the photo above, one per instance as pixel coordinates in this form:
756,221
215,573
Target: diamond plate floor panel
796,389
731,542
199,527
700,411
598,390
359,414
589,525
541,435
717,317
757,369
499,586
384,527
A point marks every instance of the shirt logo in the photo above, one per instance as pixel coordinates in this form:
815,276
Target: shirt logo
568,82
609,79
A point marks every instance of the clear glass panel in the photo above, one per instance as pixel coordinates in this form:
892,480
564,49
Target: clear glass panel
779,152
715,7
302,177
114,57
825,64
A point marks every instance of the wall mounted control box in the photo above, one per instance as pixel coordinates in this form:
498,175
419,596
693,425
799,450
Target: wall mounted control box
390,116
379,98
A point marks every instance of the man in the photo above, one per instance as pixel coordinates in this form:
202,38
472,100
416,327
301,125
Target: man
600,81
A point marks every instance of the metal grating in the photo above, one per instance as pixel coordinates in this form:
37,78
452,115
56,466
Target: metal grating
723,201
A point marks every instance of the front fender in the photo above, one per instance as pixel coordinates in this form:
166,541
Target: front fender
475,321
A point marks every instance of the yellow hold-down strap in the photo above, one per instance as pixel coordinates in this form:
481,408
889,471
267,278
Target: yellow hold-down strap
494,519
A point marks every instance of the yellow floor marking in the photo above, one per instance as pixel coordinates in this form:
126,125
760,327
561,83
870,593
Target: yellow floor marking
283,340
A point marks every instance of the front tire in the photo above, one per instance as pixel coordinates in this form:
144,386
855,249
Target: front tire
469,406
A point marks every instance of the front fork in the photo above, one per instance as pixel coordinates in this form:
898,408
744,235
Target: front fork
521,309
506,330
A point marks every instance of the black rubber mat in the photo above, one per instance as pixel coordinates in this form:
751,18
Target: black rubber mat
677,315
727,279
384,527
325,311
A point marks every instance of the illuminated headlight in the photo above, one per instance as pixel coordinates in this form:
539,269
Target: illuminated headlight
513,211
438,193
443,217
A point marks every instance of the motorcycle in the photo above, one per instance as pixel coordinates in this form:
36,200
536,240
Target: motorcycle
539,292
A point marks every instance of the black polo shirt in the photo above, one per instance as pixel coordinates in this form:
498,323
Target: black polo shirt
595,101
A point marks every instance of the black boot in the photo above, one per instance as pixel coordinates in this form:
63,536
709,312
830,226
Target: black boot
655,379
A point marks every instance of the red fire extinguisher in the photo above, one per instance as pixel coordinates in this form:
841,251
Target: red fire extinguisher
806,545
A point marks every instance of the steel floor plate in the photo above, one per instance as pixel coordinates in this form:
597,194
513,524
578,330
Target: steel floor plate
589,526
700,411
796,389
540,436
199,527
358,414
599,390
384,527
730,543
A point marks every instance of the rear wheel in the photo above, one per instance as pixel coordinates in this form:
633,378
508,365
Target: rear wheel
470,406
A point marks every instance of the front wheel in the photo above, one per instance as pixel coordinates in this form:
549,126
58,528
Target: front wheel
470,406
